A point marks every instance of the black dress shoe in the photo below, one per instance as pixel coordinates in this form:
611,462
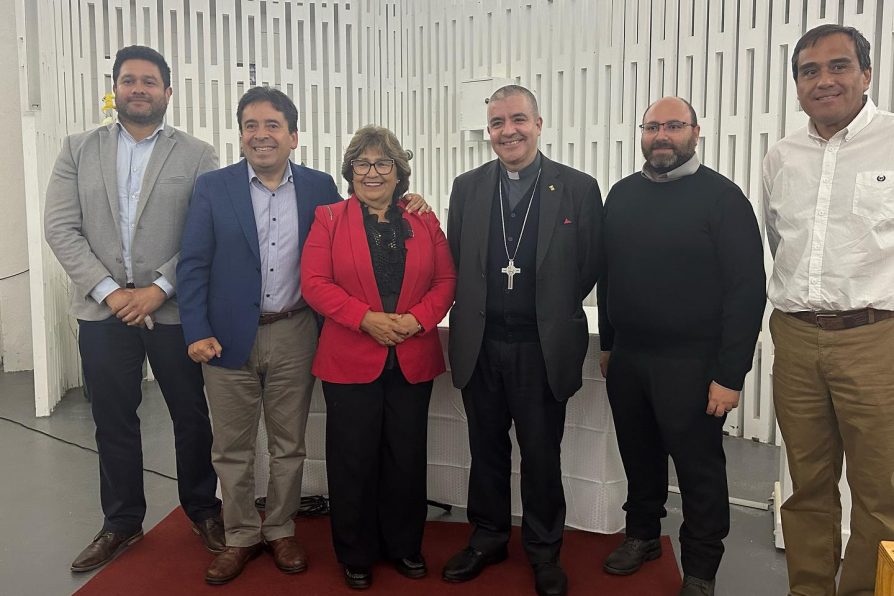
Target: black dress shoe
469,562
412,567
631,555
358,578
211,531
550,580
103,549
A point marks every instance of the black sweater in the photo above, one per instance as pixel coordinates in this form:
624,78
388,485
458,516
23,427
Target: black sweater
685,271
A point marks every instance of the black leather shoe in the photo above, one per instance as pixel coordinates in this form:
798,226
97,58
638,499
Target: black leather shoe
211,531
412,567
103,549
631,555
469,562
550,580
358,578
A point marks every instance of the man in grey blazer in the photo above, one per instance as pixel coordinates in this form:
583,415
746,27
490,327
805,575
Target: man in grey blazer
115,208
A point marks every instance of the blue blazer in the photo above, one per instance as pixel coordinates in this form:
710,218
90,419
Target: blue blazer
219,273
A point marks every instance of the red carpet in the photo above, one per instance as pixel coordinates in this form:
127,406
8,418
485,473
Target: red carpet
170,560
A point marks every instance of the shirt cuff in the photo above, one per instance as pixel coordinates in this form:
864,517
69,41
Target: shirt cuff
102,290
165,286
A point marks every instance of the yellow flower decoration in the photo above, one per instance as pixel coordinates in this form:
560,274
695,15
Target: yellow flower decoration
108,108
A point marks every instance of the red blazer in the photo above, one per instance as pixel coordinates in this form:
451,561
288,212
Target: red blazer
337,281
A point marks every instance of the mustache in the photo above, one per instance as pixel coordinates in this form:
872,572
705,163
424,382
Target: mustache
662,145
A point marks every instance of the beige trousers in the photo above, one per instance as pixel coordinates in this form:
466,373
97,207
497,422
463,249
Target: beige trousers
834,394
276,380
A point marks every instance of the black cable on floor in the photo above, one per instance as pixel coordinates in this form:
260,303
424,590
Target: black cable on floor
79,446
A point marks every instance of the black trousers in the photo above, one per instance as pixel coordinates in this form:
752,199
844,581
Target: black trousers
509,385
658,403
376,446
112,355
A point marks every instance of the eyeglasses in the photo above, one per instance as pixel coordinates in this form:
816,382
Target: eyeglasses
651,128
383,166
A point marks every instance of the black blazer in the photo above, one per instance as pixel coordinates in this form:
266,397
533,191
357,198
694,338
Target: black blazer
568,264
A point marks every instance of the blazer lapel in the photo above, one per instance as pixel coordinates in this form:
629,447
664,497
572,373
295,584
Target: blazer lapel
237,189
478,212
108,163
412,268
305,205
163,146
362,258
550,207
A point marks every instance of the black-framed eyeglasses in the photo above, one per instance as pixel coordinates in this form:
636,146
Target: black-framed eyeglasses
651,128
383,166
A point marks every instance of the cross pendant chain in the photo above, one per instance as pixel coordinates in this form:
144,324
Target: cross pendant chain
510,270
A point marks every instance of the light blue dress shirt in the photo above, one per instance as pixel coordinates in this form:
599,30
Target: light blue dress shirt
276,218
133,157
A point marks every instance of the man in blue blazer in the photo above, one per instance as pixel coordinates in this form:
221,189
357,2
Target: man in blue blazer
245,321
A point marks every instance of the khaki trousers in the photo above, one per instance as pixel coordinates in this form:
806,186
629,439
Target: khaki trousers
834,394
276,379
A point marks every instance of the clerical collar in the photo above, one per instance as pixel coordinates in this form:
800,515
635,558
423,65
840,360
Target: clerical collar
526,173
687,169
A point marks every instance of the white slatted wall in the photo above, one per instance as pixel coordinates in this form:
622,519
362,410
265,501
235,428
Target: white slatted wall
595,65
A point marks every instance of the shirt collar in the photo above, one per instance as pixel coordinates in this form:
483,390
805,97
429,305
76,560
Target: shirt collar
123,131
686,169
860,121
526,172
286,176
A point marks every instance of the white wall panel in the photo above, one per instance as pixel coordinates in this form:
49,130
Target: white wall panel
595,65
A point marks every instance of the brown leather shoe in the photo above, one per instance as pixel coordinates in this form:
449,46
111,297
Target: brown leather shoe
103,549
230,563
211,531
288,554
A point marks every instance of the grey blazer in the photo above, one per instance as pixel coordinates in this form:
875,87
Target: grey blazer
81,214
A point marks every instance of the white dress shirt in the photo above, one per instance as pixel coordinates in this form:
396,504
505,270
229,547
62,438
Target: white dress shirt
829,216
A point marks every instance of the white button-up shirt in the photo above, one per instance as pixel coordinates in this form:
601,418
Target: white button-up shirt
829,216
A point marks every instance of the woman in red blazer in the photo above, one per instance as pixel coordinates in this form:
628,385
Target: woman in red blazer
383,279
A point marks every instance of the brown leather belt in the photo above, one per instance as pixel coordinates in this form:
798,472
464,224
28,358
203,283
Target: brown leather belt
278,316
842,319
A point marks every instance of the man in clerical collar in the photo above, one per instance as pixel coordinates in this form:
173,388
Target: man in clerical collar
134,178
829,218
680,304
525,236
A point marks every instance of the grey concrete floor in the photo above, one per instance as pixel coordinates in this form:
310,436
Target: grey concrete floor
49,495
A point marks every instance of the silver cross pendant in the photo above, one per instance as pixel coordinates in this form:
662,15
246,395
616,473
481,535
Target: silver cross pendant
510,270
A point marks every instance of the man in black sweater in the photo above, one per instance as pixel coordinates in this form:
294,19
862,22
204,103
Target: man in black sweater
680,310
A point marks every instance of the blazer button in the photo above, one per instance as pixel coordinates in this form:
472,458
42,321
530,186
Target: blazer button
258,304
481,312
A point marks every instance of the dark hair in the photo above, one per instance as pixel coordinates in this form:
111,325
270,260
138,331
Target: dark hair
279,100
510,90
141,53
383,139
692,114
809,39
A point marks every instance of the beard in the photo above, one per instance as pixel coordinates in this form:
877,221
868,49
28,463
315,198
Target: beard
665,162
154,115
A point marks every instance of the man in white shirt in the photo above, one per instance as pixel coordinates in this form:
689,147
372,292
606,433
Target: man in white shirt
829,214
